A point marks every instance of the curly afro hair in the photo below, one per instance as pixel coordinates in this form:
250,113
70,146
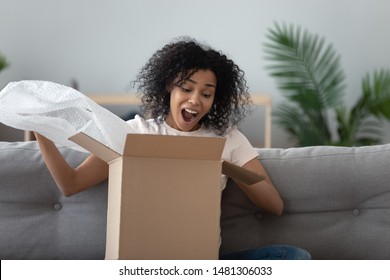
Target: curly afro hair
175,63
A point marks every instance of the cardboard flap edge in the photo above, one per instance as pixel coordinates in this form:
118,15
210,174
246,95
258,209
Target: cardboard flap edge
94,146
174,146
241,174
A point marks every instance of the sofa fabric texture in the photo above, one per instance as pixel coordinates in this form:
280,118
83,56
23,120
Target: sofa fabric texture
337,206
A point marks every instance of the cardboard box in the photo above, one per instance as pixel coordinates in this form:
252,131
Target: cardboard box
164,196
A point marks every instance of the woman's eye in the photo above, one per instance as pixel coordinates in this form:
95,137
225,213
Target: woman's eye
185,89
207,95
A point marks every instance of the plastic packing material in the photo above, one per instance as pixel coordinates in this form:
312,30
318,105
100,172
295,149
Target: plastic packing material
58,112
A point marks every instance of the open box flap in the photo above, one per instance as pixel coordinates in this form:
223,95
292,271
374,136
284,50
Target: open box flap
169,146
241,174
95,147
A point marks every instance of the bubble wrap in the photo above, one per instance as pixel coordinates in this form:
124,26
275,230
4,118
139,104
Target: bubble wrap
58,112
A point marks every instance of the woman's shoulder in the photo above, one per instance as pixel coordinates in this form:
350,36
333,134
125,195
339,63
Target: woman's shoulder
233,132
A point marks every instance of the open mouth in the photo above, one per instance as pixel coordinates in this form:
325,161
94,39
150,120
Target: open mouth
189,115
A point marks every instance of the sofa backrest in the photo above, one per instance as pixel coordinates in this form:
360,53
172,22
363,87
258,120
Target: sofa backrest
337,203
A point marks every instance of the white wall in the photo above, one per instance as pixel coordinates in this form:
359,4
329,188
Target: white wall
102,44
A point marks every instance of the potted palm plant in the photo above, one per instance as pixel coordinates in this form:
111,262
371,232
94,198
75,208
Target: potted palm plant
309,72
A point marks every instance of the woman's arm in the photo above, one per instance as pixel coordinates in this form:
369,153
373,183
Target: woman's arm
71,181
263,194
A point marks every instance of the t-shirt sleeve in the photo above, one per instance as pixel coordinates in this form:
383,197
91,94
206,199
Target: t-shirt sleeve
239,148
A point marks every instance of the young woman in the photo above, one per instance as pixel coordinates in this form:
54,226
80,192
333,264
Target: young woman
192,90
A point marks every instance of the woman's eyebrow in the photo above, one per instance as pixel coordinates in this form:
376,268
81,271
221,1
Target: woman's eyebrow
207,84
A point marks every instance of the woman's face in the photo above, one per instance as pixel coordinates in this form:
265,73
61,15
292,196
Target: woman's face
192,100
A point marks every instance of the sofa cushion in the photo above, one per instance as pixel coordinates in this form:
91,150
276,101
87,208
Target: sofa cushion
337,203
37,221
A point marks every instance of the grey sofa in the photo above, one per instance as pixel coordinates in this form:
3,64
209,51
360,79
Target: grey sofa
337,206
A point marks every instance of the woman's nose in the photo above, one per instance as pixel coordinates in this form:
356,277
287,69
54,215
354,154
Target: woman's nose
194,99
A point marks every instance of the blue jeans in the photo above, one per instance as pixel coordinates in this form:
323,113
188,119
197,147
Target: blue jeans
274,252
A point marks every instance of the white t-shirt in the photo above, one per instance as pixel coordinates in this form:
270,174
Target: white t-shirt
237,148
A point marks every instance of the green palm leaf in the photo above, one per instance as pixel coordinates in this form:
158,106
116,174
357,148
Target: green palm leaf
306,130
310,74
376,89
301,63
356,128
